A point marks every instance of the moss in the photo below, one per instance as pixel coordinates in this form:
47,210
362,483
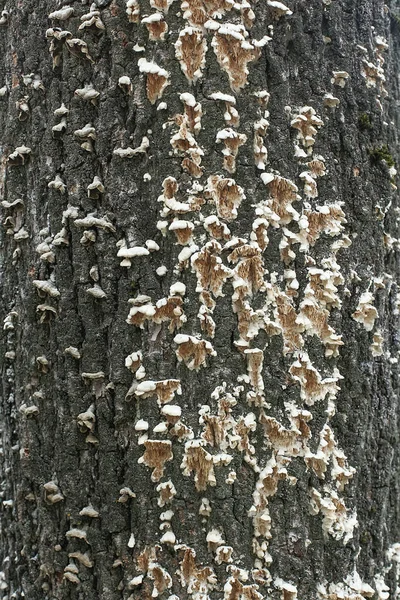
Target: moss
364,121
379,153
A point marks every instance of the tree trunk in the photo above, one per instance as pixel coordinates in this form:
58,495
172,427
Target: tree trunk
199,259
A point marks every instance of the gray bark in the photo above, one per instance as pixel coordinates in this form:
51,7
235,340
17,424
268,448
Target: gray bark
296,502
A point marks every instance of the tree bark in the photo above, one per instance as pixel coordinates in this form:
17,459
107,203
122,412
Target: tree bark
199,266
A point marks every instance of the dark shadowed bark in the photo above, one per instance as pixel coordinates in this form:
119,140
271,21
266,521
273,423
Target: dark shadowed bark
199,267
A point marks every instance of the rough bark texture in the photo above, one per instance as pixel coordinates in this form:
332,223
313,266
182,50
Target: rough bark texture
235,436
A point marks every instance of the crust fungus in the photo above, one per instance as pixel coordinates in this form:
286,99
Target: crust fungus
130,152
83,559
307,123
91,19
79,48
46,287
86,420
199,461
278,209
183,231
289,591
45,251
279,9
197,12
164,390
125,83
22,107
331,101
96,291
157,79
89,511
133,11
312,387
249,270
170,310
167,492
211,273
63,14
234,52
376,348
366,312
142,309
340,78
231,115
232,141
57,184
125,494
336,520
19,156
193,351
156,26
86,134
255,358
88,93
157,453
190,50
58,38
217,229
287,318
373,74
52,493
91,221
227,196
79,534
95,190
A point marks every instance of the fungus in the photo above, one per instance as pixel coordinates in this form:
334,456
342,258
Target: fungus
227,196
157,453
125,494
164,390
157,79
23,108
63,14
156,26
232,141
193,351
46,287
125,84
59,128
86,134
199,461
57,184
312,387
183,231
84,559
52,493
279,10
130,152
133,11
330,101
376,348
91,19
88,93
89,511
234,52
340,78
79,534
167,492
170,310
307,123
79,48
19,156
190,50
96,292
231,115
92,221
86,420
366,313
